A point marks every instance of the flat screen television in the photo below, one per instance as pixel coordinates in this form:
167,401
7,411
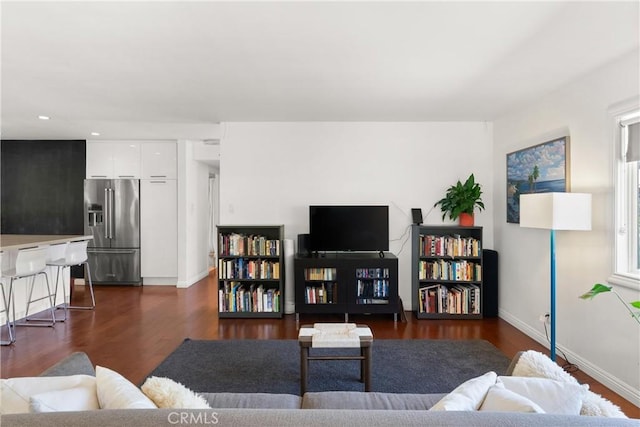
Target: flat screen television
349,228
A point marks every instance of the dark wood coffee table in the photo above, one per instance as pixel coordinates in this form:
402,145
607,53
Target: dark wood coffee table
305,339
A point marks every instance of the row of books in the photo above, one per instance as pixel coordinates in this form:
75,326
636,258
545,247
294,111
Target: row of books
375,288
325,293
241,268
372,301
454,299
372,273
320,274
434,245
235,297
450,270
236,244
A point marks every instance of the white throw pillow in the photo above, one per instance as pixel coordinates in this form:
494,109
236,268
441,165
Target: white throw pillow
554,397
500,399
116,392
72,399
15,393
167,393
468,396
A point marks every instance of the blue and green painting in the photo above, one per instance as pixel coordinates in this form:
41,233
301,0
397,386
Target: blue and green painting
537,169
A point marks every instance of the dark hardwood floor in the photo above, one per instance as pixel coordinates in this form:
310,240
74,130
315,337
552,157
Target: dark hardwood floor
134,328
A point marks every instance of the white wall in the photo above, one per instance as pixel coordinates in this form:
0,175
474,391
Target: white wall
271,172
193,212
598,335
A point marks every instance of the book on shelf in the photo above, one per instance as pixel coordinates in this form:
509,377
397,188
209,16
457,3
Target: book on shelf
452,246
442,269
372,288
237,297
238,244
428,297
372,301
241,268
320,274
454,299
372,273
321,293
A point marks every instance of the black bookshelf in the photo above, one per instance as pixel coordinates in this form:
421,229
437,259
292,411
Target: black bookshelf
250,271
446,272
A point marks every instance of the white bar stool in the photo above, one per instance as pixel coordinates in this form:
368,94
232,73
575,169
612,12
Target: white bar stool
30,263
56,253
75,253
5,310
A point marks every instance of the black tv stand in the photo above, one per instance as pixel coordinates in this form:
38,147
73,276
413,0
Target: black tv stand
347,282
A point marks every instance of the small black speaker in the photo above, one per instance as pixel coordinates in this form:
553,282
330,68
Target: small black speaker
304,244
489,283
416,214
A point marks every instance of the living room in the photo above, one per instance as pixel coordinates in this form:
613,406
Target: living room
272,170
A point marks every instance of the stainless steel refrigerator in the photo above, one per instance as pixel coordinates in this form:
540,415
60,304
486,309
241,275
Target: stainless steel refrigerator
112,216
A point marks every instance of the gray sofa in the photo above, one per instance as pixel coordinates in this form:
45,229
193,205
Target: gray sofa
331,408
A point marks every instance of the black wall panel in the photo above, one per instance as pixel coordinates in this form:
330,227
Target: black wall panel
42,187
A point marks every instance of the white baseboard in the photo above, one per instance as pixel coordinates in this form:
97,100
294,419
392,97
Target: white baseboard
193,279
160,281
614,383
165,281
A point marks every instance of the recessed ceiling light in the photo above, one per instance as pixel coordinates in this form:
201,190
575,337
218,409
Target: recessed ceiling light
95,133
44,117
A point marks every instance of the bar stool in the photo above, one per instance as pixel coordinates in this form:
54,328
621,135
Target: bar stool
30,263
56,253
5,310
75,253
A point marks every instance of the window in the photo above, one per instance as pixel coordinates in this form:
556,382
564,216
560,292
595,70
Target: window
627,202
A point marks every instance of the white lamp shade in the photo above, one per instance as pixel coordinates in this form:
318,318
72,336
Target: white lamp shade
556,211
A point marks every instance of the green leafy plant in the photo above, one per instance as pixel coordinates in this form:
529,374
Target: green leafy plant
461,198
599,288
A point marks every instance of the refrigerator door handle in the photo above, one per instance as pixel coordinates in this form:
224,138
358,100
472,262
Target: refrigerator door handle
112,204
107,213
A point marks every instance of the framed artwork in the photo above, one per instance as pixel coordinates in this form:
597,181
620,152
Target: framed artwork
542,168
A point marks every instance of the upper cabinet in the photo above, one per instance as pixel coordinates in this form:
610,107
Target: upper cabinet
99,160
159,160
132,159
113,159
126,160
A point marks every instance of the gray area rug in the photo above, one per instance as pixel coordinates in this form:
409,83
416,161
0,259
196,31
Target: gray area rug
273,366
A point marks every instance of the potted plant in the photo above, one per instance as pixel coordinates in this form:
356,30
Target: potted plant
599,288
461,200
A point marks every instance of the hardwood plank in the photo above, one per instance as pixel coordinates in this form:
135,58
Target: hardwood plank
133,329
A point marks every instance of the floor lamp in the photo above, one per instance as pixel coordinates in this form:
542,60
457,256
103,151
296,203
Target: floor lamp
555,211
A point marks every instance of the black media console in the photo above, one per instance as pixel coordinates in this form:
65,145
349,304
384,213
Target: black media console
346,282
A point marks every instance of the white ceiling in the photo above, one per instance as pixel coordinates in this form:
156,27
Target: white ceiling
174,69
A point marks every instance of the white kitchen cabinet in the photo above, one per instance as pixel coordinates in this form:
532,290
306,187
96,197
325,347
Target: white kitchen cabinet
99,160
159,160
158,230
126,160
113,159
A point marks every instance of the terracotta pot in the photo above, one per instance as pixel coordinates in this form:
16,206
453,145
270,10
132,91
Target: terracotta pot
466,219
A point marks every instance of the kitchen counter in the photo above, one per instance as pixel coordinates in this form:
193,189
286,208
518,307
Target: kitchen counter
10,245
21,241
